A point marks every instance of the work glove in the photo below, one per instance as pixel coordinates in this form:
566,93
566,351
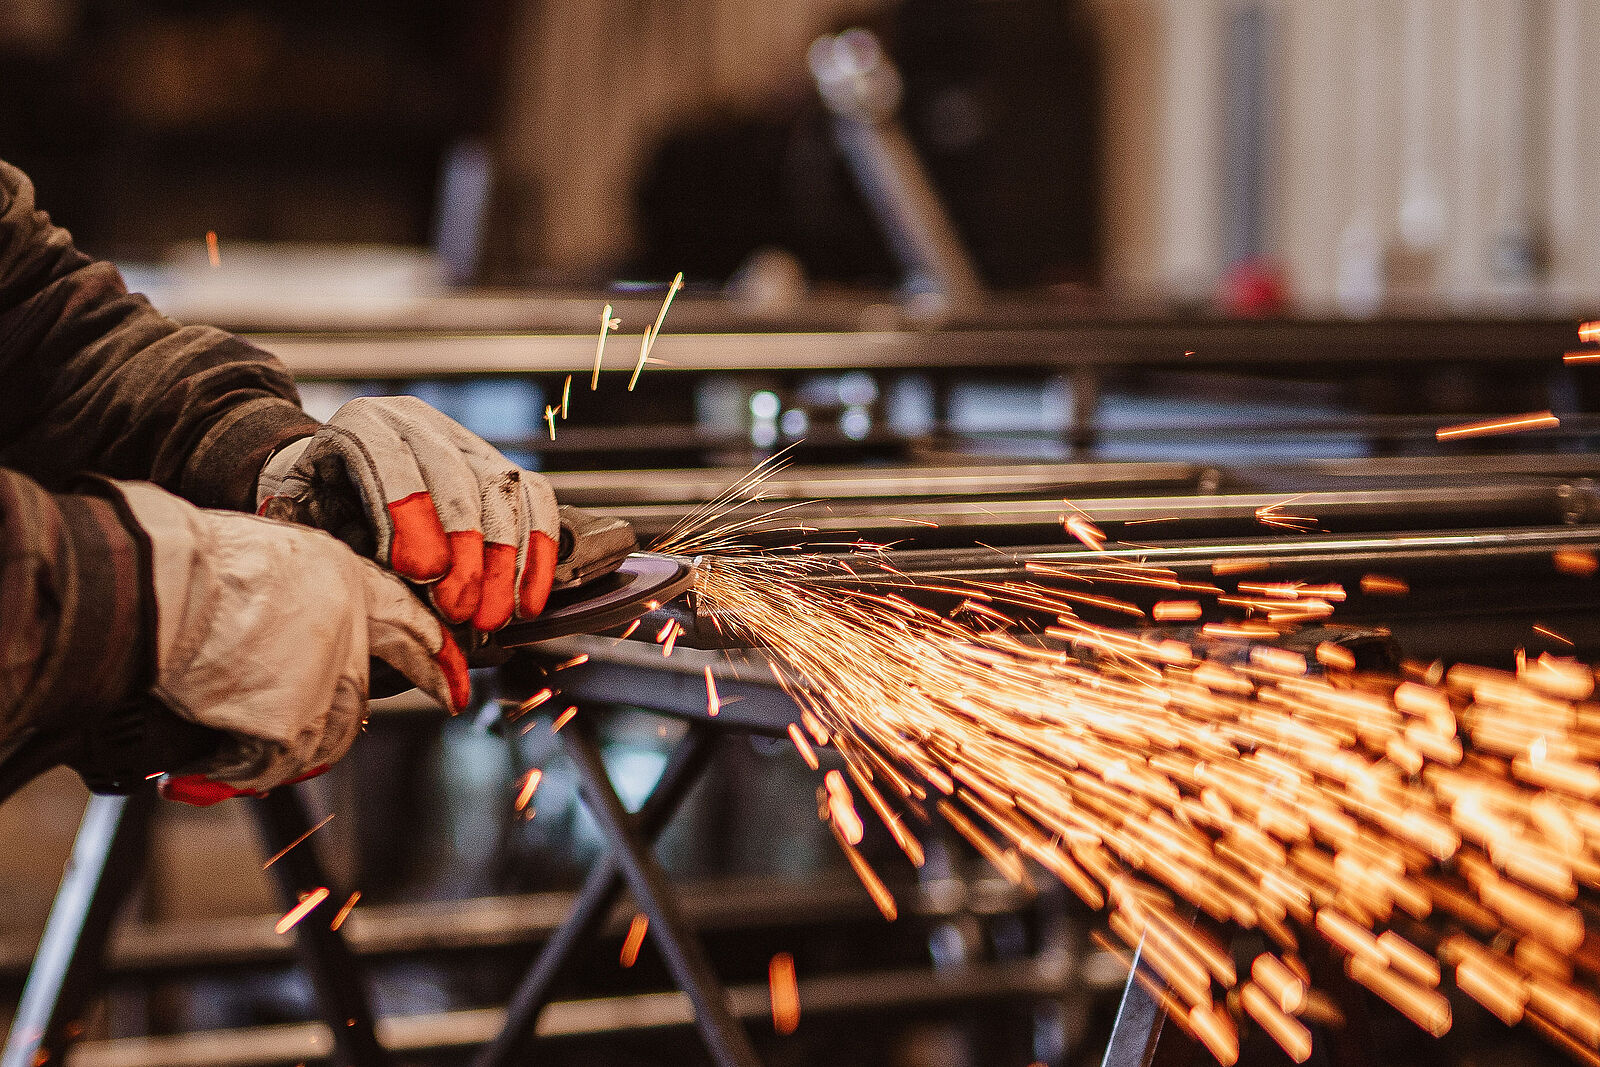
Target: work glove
263,631
411,488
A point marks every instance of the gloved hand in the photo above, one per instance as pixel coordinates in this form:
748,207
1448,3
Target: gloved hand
413,489
263,631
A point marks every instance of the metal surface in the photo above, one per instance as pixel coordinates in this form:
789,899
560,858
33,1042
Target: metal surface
1386,344
600,893
335,975
641,583
142,951
723,1034
1520,502
590,545
107,857
635,673
1140,1037
823,997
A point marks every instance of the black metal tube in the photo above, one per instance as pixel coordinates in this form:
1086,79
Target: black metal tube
595,901
336,976
724,1037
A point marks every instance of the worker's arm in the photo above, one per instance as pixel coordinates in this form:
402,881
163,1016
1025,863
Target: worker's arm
75,609
259,629
95,379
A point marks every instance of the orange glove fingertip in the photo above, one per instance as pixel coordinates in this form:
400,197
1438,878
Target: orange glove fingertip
537,575
198,791
419,549
454,665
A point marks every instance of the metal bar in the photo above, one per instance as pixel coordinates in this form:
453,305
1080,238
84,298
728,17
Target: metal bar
107,857
1137,1035
335,974
679,948
823,997
595,900
1384,343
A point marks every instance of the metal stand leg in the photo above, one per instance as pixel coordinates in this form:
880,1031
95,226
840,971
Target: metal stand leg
107,856
1136,1036
336,977
724,1037
595,900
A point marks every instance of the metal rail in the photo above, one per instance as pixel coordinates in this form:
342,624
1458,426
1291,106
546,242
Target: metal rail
1099,342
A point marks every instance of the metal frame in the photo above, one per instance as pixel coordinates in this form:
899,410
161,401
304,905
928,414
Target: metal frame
107,859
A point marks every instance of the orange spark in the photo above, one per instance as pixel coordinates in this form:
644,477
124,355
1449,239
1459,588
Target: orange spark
344,911
526,788
1575,561
1534,420
308,903
562,719
213,251
803,746
1085,531
286,849
1176,611
635,939
785,992
1589,332
1384,585
713,702
1583,355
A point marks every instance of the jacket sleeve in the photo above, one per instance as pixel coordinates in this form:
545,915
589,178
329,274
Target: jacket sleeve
75,607
92,378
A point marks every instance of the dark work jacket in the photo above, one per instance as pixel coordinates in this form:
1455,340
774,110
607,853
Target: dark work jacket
94,381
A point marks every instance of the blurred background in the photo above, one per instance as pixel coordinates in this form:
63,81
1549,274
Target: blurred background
1349,157
971,257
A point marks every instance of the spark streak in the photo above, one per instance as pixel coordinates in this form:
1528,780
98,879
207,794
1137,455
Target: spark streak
290,847
607,324
785,992
1416,823
635,939
1533,420
308,903
647,342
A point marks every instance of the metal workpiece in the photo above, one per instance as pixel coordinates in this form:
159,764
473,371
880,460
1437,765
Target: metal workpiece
1014,336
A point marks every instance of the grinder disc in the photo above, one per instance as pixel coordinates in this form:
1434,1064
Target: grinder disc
643,582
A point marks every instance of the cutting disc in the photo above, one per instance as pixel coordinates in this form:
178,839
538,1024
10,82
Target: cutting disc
642,583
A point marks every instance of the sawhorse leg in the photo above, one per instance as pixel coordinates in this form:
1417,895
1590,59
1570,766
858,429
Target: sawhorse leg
336,977
1137,1035
107,857
628,862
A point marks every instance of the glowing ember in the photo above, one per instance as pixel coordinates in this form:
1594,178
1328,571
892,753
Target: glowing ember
1534,420
635,939
527,787
785,993
213,250
308,903
344,911
286,849
1432,827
